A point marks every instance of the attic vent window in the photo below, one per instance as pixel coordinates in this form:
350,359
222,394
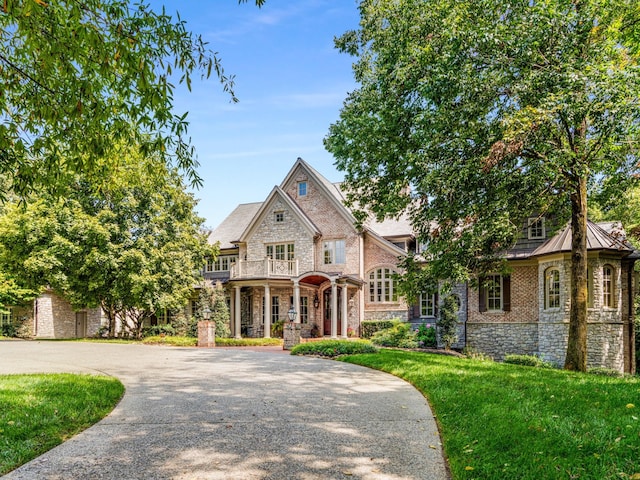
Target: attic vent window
536,228
279,217
302,189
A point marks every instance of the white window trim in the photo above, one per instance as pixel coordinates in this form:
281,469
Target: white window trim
424,301
530,223
547,289
488,290
331,247
612,287
380,282
278,217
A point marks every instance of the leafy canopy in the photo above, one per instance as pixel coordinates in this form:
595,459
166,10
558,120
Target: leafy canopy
78,76
473,115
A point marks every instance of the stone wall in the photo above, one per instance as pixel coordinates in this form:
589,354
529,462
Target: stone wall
55,318
499,339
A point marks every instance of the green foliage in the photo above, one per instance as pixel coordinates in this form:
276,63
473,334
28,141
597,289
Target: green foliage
369,327
471,116
277,329
130,243
41,411
527,360
78,77
496,418
426,336
448,322
399,335
174,341
157,330
214,299
248,342
334,348
8,330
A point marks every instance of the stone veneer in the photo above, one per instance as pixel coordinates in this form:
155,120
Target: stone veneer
55,318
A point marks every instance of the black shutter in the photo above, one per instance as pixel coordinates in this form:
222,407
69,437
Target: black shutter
506,293
482,296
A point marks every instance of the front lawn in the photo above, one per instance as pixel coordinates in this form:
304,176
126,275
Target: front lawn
38,412
501,421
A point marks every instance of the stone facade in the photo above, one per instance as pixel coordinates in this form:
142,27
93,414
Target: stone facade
53,317
498,339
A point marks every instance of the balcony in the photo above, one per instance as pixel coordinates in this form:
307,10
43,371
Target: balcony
268,267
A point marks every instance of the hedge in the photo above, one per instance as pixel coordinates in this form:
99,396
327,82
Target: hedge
369,327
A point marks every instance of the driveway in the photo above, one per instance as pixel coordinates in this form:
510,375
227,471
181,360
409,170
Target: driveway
235,414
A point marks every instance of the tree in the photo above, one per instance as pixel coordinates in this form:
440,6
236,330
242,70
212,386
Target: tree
134,248
473,115
77,76
214,299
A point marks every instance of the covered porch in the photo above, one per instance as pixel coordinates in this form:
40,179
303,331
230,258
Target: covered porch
326,304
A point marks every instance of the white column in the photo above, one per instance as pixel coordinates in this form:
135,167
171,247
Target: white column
267,311
334,309
296,299
345,305
236,313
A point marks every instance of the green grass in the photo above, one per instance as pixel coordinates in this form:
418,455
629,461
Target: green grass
248,342
501,421
38,412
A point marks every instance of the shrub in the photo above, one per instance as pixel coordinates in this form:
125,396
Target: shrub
247,342
426,336
157,330
369,327
8,330
334,348
277,329
400,335
527,360
474,354
169,340
448,323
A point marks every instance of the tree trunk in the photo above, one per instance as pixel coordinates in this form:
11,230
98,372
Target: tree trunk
576,358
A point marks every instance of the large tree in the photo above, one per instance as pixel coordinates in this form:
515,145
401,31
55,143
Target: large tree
131,244
472,115
79,75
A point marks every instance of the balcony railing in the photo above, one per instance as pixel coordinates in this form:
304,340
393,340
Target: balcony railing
264,268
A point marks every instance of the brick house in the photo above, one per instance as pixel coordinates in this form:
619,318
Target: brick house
300,248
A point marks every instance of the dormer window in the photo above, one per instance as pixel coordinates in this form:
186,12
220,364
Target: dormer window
536,230
302,189
279,217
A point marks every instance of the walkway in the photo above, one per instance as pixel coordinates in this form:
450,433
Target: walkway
235,414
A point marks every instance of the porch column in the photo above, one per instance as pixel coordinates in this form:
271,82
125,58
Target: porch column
345,305
334,309
236,313
296,299
267,311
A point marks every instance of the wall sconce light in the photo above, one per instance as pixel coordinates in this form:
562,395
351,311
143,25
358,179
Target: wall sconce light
316,301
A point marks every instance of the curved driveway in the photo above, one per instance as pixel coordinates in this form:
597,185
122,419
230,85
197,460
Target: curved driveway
235,414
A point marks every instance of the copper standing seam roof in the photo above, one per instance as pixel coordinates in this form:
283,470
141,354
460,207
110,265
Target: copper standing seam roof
597,239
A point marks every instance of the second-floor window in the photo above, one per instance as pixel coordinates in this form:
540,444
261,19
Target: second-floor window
281,251
536,228
495,293
279,217
333,252
221,264
302,189
382,286
427,304
608,282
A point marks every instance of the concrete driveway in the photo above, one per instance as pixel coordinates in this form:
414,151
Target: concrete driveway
235,414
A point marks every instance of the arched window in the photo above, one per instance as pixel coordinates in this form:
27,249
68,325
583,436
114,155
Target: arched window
608,286
552,288
382,286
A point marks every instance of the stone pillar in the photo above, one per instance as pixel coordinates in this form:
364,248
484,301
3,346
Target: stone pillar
291,335
206,333
267,311
296,300
334,309
237,311
345,311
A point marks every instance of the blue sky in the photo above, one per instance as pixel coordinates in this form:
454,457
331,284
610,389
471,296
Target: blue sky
291,83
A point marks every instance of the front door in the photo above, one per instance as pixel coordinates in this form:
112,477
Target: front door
326,306
81,324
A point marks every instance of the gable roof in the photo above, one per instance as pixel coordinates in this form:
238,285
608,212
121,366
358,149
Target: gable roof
232,227
280,194
597,239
